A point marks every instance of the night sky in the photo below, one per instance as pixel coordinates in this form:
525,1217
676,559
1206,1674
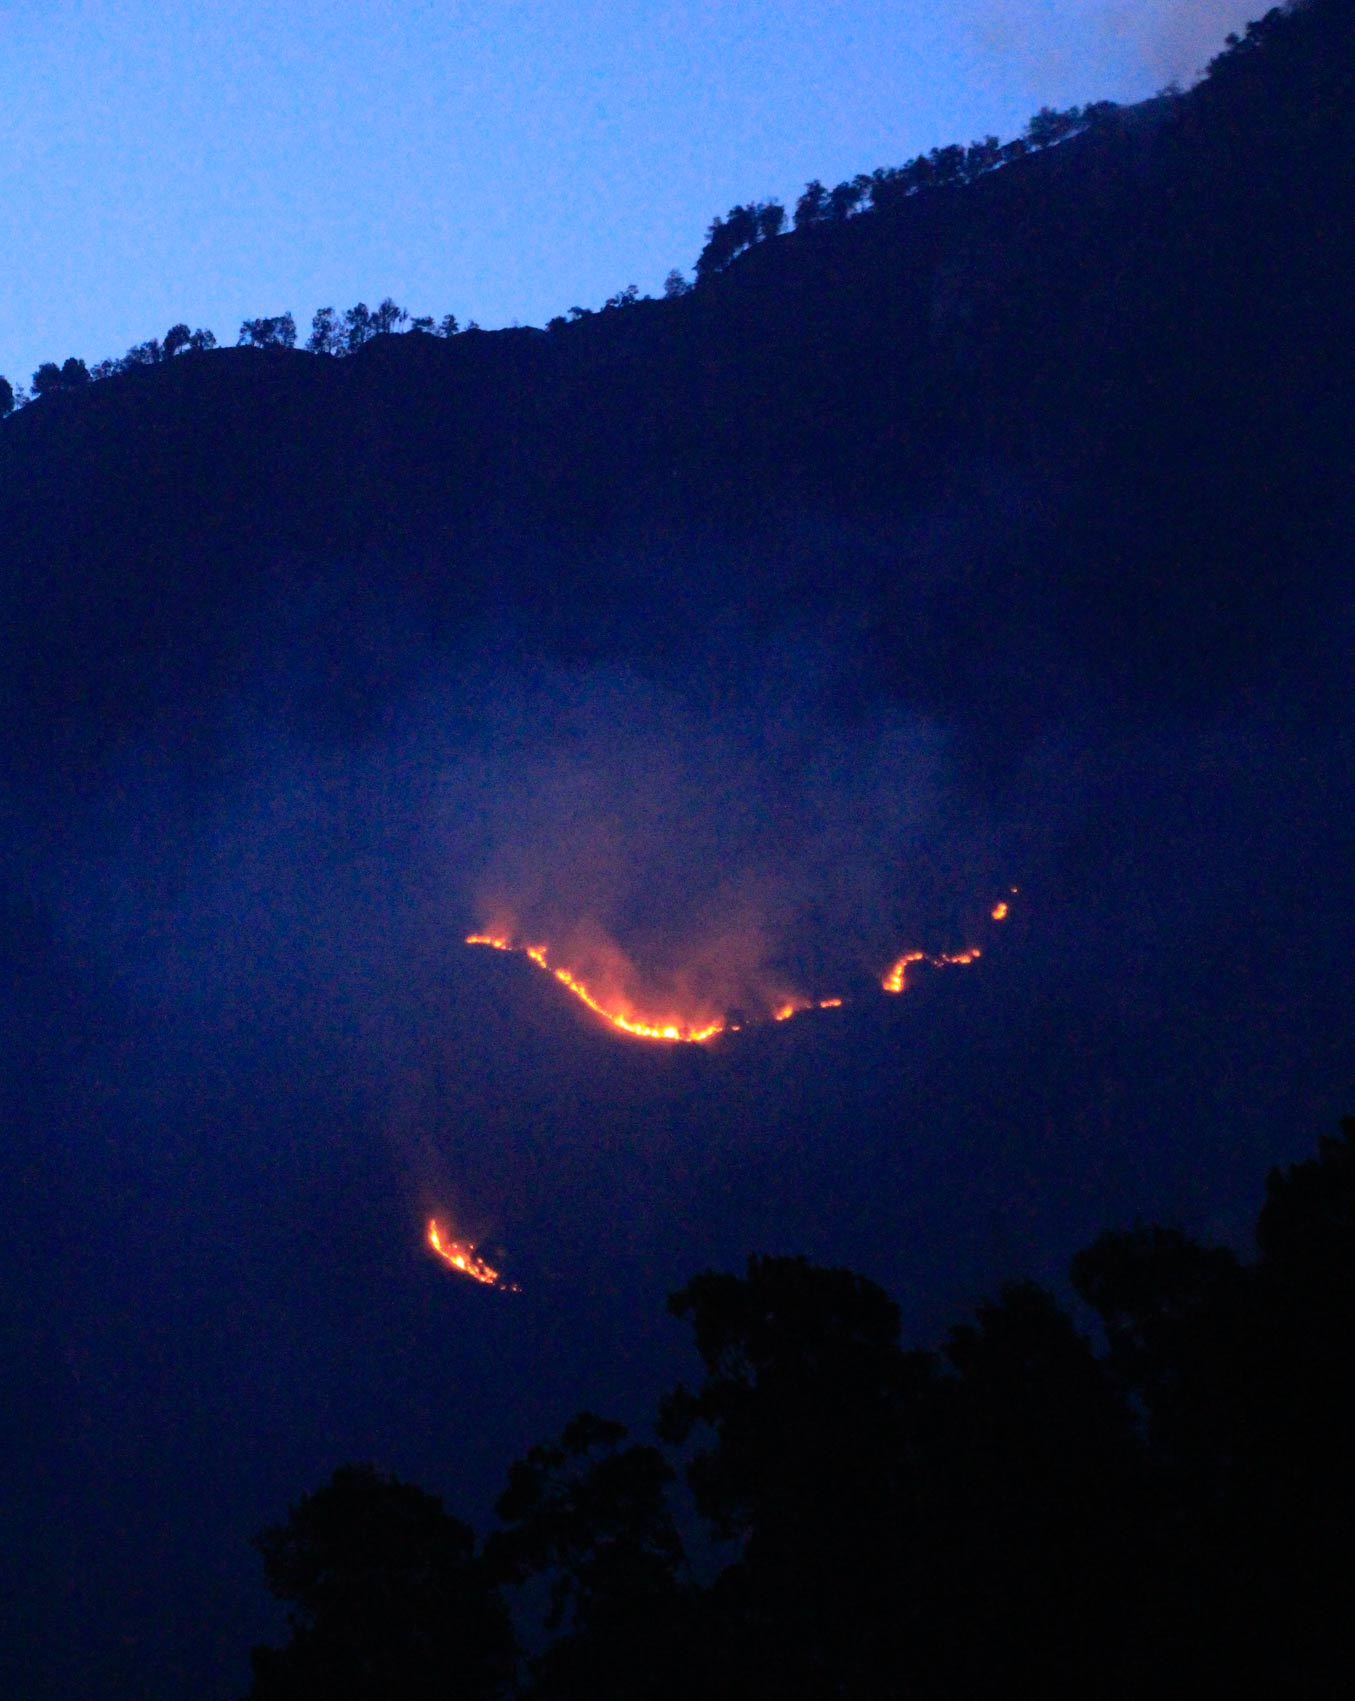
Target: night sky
246,1053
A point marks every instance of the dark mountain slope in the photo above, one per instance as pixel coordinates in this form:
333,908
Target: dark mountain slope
666,626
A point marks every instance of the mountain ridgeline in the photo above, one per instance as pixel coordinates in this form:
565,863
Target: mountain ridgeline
1068,424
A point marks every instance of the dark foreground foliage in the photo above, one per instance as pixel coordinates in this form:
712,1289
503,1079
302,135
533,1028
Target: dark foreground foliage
1163,1506
386,1598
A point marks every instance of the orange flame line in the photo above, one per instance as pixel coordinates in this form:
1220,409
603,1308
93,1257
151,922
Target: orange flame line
670,1031
895,980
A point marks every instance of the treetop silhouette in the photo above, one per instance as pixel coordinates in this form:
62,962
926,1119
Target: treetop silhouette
1023,1508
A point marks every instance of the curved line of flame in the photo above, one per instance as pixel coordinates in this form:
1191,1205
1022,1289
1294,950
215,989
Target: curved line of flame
627,1024
462,1256
895,980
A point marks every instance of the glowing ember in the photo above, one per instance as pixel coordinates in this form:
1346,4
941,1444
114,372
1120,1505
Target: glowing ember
1000,912
461,1255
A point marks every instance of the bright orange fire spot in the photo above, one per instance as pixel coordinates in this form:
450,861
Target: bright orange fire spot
461,1255
1001,911
893,981
830,1004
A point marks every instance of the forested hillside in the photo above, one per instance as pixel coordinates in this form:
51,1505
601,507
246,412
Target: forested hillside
932,624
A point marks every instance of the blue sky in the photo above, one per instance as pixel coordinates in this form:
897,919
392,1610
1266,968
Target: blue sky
502,162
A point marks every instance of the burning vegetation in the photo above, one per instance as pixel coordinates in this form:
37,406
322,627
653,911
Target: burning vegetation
462,1256
675,1028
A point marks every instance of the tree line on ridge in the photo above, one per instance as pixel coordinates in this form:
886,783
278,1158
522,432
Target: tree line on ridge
727,237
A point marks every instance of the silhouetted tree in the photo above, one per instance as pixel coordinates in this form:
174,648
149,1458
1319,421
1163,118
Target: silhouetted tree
70,375
141,354
1018,1513
1172,1312
1295,1471
387,318
1050,125
358,327
718,251
387,1598
888,187
327,335
1240,1374
739,229
815,1417
771,220
675,284
278,332
1037,1561
982,156
812,205
6,397
1099,113
948,164
180,340
447,325
843,200
591,1515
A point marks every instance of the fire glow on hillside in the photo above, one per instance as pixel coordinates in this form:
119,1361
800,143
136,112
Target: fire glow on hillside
461,1255
676,1029
670,1030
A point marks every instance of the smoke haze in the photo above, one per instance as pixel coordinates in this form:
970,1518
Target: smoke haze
1171,40
248,1054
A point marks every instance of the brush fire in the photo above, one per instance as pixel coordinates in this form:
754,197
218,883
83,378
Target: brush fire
462,1256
